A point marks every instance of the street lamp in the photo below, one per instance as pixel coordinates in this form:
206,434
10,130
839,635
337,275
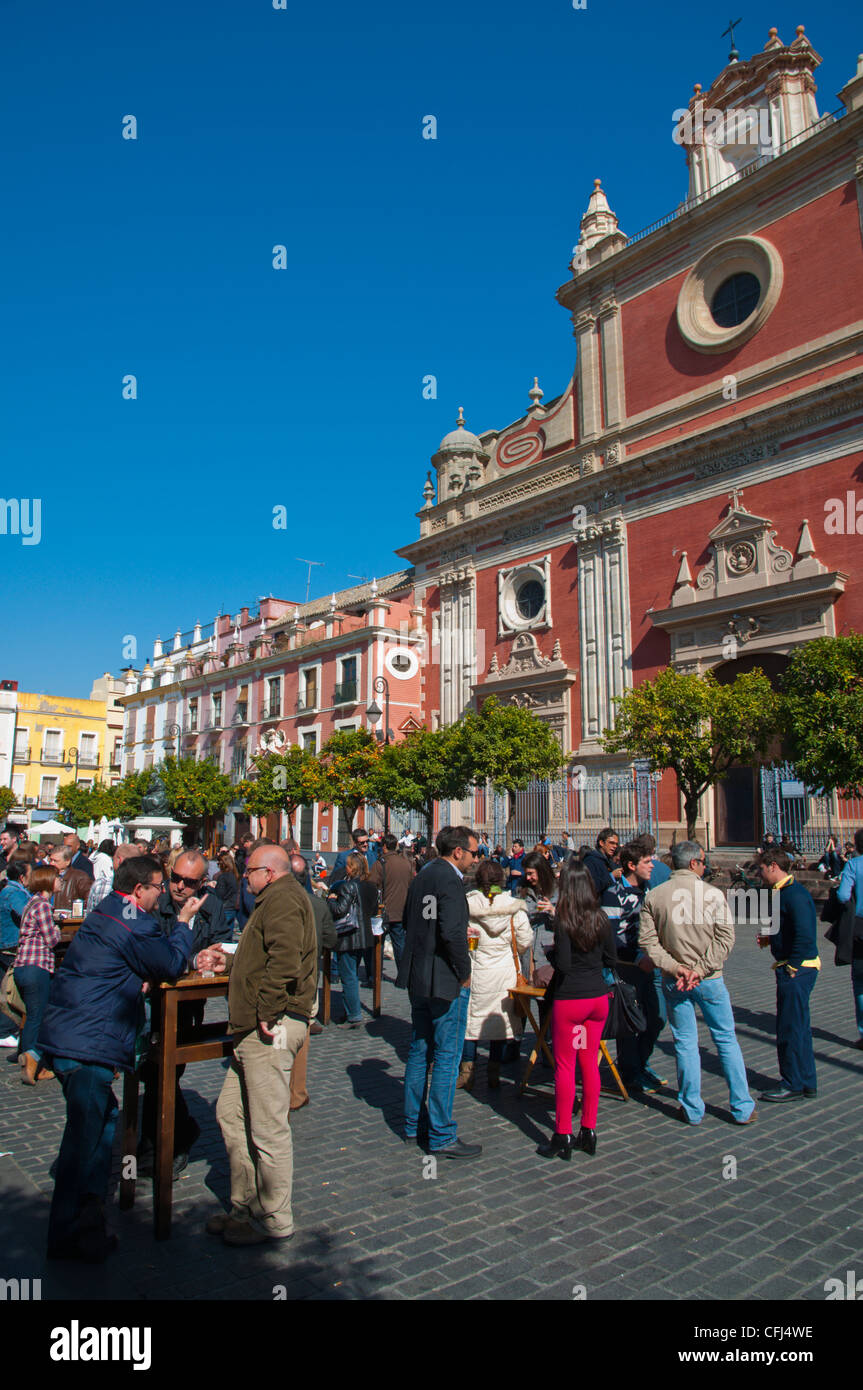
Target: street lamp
382,687
174,731
70,766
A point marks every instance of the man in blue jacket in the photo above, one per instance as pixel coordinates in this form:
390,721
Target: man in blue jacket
362,845
795,952
852,882
89,1028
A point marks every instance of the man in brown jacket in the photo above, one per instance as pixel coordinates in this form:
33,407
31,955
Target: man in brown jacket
686,929
392,875
73,884
272,989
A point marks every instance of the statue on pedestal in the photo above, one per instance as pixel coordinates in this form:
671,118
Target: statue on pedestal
155,802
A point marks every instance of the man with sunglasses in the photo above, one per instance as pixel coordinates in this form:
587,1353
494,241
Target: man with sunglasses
187,880
362,845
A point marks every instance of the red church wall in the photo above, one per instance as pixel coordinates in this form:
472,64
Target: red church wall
822,292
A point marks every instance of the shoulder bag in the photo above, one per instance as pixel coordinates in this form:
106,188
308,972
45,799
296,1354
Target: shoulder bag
520,981
350,920
625,1014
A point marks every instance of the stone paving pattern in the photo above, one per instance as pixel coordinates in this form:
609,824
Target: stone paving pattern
649,1217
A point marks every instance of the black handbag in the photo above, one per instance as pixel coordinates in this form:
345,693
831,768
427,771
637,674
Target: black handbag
350,920
625,1014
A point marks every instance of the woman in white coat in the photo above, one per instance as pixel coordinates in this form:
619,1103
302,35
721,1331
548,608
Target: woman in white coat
496,917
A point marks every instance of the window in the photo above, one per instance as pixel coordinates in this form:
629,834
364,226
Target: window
310,742
193,716
22,739
310,694
735,299
349,670
274,696
18,787
88,754
117,754
52,751
48,792
530,598
217,710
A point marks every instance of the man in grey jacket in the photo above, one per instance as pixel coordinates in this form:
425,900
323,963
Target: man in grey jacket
686,929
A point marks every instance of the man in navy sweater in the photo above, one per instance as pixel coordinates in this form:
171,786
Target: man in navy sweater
89,1029
795,952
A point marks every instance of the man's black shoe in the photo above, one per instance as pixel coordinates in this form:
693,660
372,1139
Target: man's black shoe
144,1171
782,1094
458,1150
90,1247
810,1092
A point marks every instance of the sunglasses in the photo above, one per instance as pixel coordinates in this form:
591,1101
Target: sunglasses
189,882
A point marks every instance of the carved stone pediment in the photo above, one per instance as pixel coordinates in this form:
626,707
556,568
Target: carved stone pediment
532,681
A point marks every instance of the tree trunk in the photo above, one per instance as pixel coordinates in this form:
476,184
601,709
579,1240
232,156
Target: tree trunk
510,816
690,806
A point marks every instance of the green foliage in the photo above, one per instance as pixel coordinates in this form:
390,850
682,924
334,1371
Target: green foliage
426,766
509,747
8,799
195,789
128,795
696,727
281,782
822,713
347,767
80,805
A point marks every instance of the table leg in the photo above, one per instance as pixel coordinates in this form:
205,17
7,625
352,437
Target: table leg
164,1156
378,967
615,1073
540,1031
327,964
130,1140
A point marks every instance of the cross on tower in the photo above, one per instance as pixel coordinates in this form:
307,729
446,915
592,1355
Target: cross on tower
736,504
732,25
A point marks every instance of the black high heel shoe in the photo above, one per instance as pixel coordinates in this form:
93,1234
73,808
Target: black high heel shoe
559,1146
585,1140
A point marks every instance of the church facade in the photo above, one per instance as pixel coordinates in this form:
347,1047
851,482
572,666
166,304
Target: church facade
693,497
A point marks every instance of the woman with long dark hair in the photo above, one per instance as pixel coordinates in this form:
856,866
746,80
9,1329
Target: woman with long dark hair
583,944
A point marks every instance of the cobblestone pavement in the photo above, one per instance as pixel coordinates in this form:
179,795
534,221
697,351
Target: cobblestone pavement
654,1215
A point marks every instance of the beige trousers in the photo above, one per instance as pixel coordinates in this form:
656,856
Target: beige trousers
253,1114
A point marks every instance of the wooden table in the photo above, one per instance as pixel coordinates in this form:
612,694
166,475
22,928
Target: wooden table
522,997
327,965
200,1045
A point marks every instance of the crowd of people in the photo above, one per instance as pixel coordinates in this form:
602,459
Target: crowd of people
622,942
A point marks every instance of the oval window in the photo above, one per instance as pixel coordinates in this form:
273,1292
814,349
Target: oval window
530,599
736,298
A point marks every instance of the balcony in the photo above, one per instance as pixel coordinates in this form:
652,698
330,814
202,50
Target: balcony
307,703
48,803
241,713
271,712
88,760
22,755
52,757
345,693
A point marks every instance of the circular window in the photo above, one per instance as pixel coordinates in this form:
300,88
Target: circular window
530,599
735,299
729,293
402,662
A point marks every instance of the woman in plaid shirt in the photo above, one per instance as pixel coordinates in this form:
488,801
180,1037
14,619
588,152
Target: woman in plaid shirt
34,967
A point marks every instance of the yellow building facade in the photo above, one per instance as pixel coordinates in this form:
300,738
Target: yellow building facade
60,739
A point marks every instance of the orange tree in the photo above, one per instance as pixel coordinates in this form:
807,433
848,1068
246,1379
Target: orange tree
347,772
282,781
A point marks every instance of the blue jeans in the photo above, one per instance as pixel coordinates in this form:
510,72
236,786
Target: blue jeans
857,987
437,1037
349,975
634,1049
713,1000
34,986
397,937
793,1028
84,1161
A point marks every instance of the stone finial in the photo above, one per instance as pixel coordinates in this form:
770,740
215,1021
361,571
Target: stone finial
428,490
495,666
536,394
556,654
374,588
460,422
597,223
333,604
684,573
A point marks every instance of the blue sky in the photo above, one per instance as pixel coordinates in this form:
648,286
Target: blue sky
406,256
